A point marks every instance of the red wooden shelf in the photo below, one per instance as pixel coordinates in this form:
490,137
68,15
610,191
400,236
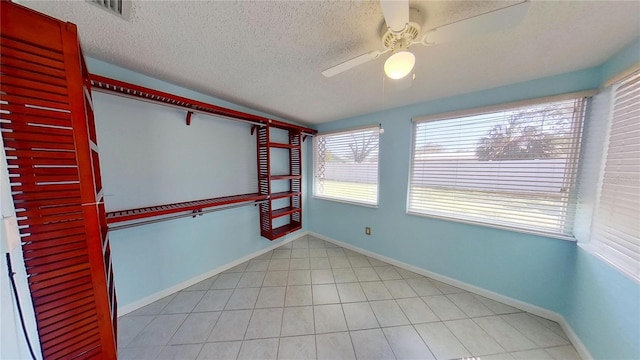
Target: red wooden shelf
284,211
284,194
286,229
283,146
285,177
151,211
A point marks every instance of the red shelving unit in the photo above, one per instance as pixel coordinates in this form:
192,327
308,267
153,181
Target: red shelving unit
262,127
294,178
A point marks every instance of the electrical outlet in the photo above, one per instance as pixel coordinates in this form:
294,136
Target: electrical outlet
367,230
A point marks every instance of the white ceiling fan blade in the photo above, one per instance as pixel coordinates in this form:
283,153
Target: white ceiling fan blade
396,13
349,64
500,19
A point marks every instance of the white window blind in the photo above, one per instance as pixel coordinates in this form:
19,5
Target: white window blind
511,168
615,235
346,165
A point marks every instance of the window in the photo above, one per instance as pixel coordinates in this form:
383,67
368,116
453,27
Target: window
346,165
513,167
615,235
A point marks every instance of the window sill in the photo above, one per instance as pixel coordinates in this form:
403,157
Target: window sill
373,206
495,226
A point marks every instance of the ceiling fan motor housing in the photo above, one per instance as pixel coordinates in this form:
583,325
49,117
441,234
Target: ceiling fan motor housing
402,40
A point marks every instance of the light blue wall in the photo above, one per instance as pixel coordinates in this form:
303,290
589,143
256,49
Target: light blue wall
600,304
151,258
605,309
623,60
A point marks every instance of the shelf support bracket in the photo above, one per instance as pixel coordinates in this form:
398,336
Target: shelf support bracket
189,114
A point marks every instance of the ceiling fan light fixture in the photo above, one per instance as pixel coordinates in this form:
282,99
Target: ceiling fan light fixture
399,64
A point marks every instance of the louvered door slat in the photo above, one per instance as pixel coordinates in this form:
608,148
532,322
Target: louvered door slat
89,341
56,91
52,307
41,154
29,94
40,162
41,181
54,325
53,227
51,301
79,319
48,249
68,343
17,108
45,191
49,290
32,58
57,235
44,220
31,127
23,145
93,353
39,139
40,192
33,67
58,256
34,76
23,47
43,285
70,314
46,172
82,323
14,98
59,267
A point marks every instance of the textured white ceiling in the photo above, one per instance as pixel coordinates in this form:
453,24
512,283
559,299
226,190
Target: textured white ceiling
269,55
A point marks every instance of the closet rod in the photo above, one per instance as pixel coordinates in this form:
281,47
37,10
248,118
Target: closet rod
192,214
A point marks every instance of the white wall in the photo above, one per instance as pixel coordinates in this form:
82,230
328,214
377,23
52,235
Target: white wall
12,341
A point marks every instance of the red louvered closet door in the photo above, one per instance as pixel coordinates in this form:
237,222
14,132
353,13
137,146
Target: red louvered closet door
51,147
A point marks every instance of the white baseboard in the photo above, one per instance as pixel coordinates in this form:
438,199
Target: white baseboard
518,304
194,280
573,337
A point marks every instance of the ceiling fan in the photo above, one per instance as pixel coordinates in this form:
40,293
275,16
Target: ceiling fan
403,30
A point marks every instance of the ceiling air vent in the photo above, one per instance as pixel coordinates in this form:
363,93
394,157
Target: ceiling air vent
118,7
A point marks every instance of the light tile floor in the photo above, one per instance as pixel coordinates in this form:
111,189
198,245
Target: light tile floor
310,299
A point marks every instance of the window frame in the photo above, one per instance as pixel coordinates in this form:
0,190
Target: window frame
314,195
490,109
